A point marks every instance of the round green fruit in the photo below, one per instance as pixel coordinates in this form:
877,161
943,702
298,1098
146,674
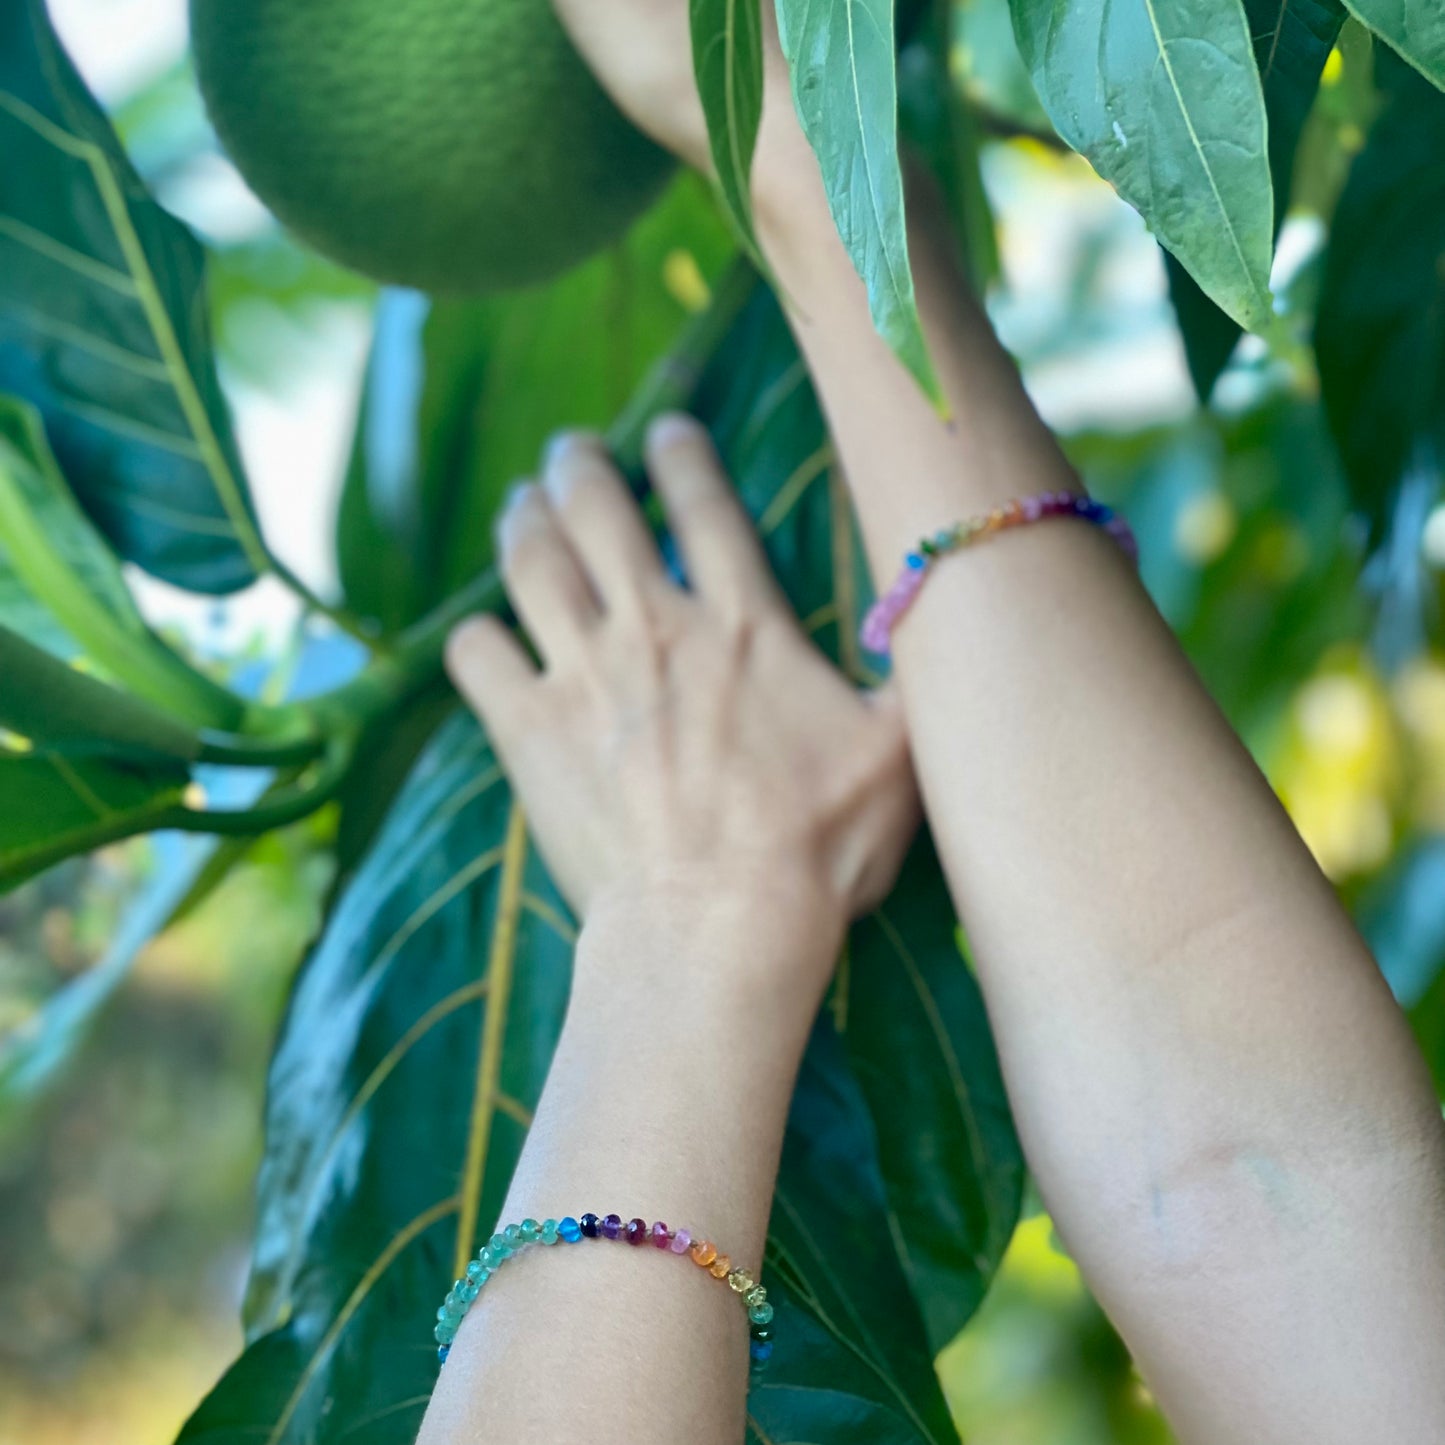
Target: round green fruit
451,145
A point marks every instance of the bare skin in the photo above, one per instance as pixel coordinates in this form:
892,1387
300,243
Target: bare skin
1218,1097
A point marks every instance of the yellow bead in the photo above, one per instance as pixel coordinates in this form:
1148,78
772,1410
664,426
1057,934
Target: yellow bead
704,1252
721,1267
740,1281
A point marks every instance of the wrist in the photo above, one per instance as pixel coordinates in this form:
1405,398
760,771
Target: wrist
747,945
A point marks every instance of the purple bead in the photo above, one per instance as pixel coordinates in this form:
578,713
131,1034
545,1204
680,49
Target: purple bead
681,1241
661,1235
612,1226
636,1231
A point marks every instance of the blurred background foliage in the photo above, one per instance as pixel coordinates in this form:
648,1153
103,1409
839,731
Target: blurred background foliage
1309,602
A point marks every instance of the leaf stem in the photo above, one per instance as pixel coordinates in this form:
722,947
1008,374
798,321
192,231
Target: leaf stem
337,616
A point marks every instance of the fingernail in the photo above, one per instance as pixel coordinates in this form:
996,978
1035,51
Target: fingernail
517,493
673,428
563,442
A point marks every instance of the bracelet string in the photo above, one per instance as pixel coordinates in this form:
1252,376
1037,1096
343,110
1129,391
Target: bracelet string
886,613
515,1238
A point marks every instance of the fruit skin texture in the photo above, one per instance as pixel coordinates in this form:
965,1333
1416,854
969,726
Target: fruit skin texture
450,145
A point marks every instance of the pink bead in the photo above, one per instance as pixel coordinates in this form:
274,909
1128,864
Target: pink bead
1033,508
661,1235
681,1241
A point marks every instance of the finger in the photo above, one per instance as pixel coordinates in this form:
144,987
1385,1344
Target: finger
493,673
545,581
601,521
724,559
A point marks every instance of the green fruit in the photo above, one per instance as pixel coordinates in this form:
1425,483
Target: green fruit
451,145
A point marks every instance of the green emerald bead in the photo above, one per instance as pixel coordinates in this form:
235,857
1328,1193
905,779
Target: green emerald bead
487,1259
531,1231
444,1335
499,1247
549,1231
512,1235
470,1292
761,1314
443,1313
476,1270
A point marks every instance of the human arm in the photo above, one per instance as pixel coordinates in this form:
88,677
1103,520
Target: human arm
1217,1095
715,801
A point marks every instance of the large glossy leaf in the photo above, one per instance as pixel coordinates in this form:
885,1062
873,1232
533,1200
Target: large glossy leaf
461,397
1380,334
103,326
866,1352
1164,98
1415,28
727,58
845,87
950,1157
1292,41
65,586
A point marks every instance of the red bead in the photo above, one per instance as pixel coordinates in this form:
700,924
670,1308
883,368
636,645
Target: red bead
636,1231
661,1235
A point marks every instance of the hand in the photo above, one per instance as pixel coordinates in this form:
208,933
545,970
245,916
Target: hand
673,739
641,50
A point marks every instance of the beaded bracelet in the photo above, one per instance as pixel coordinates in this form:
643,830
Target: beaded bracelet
888,610
516,1237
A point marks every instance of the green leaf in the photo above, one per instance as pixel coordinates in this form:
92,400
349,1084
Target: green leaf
1415,28
845,87
727,59
829,1213
57,806
36,1056
1164,98
950,1158
1292,41
1380,332
103,327
54,553
461,397
49,703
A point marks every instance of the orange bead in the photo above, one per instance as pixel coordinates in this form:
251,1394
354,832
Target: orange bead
721,1267
704,1252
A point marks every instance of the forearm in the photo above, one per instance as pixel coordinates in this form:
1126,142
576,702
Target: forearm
666,1100
1215,1090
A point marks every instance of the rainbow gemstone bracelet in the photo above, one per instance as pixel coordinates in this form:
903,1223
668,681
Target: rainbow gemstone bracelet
885,614
515,1238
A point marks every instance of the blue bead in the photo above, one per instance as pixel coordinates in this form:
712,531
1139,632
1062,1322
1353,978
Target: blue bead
570,1230
915,561
442,1352
590,1225
762,1351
